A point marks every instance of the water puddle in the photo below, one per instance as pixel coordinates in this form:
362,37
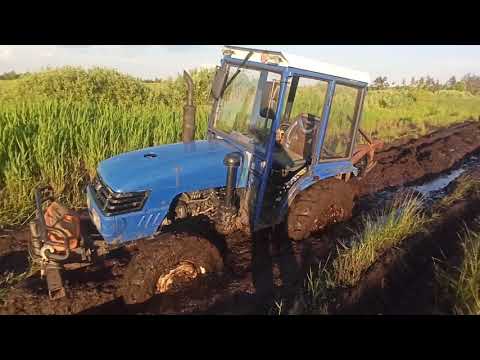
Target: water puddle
432,190
438,183
435,188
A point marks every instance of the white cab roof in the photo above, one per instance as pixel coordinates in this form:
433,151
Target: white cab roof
295,61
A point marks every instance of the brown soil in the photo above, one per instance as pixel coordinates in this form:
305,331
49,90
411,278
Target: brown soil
403,280
408,161
256,270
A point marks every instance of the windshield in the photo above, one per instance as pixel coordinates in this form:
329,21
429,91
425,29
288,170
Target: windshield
247,108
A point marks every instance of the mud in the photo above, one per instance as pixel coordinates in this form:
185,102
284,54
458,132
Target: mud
420,159
403,280
13,251
257,270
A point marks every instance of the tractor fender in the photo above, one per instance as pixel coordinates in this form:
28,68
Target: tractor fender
317,173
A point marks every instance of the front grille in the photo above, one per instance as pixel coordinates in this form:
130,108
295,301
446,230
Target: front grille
113,203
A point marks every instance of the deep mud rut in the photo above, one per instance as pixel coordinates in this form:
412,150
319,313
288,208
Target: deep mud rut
265,268
406,161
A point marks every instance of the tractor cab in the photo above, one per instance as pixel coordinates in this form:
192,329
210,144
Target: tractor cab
292,117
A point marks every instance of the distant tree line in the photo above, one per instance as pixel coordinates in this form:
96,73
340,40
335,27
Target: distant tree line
156,80
11,75
469,82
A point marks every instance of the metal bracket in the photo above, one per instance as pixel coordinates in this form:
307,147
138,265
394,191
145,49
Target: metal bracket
54,282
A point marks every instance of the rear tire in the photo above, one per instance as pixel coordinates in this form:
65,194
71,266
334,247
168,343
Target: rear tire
324,203
159,257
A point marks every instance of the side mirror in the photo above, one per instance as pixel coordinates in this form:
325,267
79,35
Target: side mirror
269,100
218,83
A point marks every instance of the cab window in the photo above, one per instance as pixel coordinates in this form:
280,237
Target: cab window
341,123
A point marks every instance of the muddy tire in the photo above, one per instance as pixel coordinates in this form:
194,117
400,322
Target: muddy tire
156,258
324,203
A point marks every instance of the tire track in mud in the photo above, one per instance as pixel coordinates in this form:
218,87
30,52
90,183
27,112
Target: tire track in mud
258,268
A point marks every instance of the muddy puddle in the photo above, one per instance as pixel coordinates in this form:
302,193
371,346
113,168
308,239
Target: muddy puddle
435,188
431,189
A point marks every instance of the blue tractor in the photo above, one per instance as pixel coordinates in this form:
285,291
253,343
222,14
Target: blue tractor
280,150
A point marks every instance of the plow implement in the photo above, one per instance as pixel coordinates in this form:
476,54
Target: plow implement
364,153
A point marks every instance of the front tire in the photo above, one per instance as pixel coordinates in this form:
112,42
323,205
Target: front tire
324,203
159,261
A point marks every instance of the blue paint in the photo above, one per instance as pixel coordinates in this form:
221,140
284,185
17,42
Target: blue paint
133,171
177,168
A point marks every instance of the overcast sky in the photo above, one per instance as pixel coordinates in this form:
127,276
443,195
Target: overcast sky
395,62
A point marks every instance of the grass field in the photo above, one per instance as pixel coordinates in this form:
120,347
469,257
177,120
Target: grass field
414,112
6,87
56,125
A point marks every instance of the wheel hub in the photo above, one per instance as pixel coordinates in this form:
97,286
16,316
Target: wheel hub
185,271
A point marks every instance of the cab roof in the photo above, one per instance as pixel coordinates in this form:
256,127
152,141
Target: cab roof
295,61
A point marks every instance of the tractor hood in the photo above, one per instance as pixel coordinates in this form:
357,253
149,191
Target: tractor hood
189,167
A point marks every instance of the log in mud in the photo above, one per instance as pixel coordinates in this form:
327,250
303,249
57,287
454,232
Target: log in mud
256,270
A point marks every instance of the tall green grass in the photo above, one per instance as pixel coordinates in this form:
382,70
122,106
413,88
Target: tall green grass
391,113
380,232
61,142
57,125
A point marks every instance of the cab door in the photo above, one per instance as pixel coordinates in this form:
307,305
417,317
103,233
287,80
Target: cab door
338,140
268,114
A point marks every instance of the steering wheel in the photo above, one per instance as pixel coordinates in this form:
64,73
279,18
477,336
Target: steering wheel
305,125
309,125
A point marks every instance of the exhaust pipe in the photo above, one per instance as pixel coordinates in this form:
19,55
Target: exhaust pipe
232,162
188,132
227,210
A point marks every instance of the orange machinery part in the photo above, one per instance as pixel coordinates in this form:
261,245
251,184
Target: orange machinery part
367,149
67,222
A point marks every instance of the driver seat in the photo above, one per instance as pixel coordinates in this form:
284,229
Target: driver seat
295,148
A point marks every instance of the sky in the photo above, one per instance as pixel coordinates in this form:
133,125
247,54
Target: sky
397,62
